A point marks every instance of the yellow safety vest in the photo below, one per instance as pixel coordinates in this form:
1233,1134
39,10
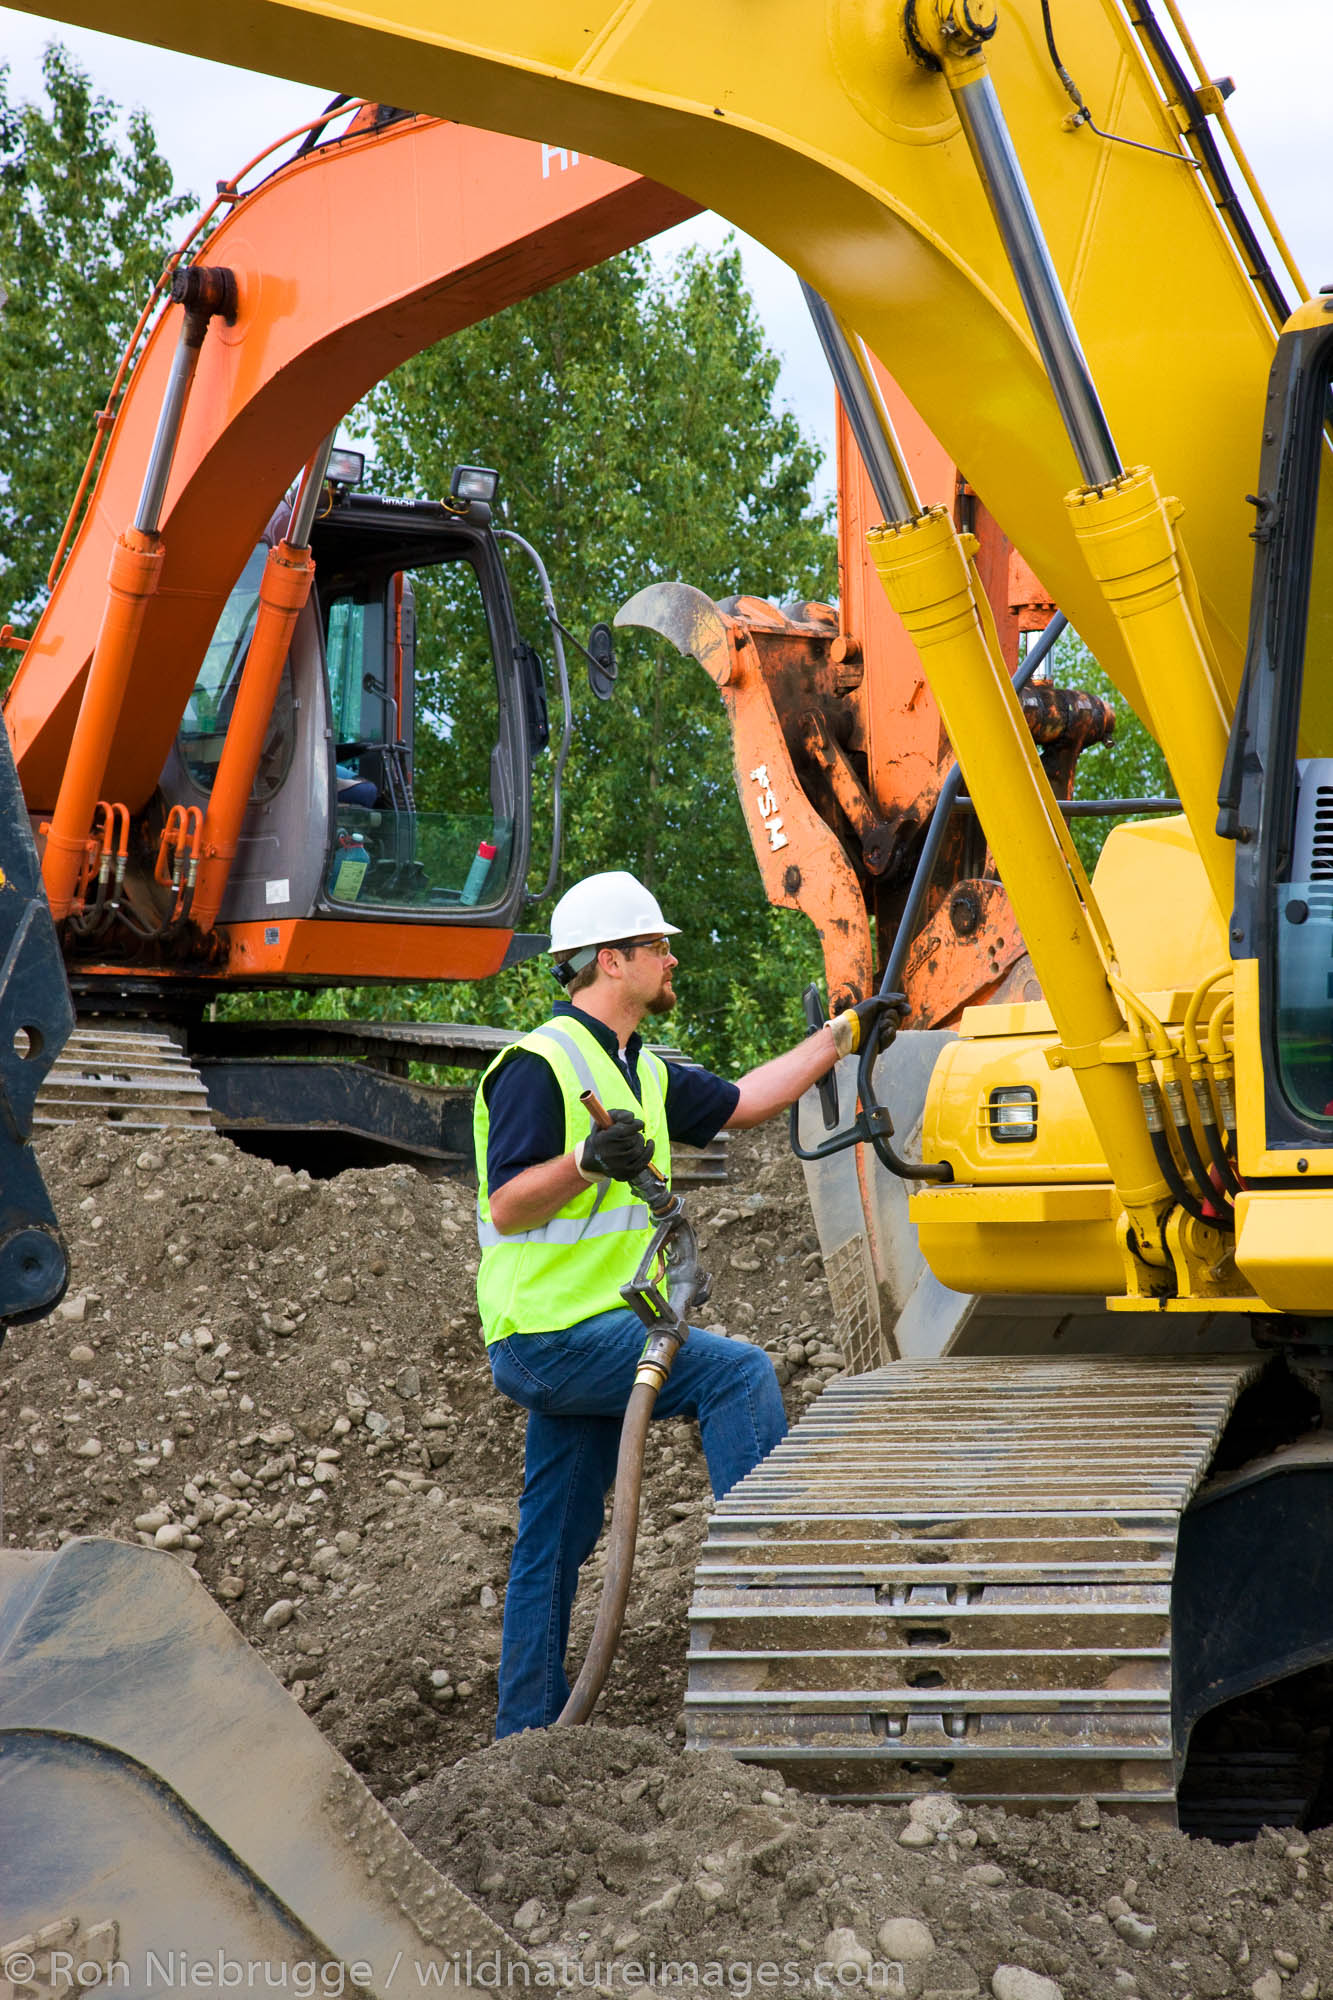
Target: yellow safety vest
545,1279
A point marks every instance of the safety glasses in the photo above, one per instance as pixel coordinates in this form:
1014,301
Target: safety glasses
661,945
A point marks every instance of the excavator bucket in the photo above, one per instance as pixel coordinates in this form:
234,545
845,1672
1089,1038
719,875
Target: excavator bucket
887,1300
169,1819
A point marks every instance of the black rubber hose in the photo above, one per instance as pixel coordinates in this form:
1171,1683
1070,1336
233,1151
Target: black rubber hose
1189,1146
1071,88
620,1548
1175,1180
1212,1138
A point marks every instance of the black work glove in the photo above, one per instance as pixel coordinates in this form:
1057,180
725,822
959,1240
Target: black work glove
617,1152
851,1028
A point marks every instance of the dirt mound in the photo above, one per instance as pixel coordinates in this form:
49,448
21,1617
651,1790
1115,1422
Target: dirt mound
283,1381
609,1848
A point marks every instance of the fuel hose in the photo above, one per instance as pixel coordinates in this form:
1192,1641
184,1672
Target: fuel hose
665,1318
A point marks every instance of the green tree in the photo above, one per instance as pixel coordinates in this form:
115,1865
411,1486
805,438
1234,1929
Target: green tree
86,208
631,415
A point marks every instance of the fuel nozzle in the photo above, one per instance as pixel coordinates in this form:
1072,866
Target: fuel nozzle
673,1252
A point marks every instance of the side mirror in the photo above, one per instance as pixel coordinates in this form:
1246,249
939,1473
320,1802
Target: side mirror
602,668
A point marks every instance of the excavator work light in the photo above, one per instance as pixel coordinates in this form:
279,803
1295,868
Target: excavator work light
473,482
346,468
1012,1114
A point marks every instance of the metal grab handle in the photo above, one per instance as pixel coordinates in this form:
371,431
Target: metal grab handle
872,1120
827,1085
873,1123
566,709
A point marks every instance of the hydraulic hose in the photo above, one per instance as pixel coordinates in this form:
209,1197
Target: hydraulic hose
665,1318
1175,1180
1174,1092
620,1550
1144,1027
1231,1182
1228,1178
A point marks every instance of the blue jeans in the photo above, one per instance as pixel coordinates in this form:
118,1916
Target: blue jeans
575,1385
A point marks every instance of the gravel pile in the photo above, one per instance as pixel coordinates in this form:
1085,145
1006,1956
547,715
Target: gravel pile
609,1847
280,1383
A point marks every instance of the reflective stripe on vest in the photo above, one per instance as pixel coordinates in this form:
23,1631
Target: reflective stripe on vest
553,1032
544,1279
569,1230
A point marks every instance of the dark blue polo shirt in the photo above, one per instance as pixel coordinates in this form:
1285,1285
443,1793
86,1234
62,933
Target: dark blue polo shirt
528,1113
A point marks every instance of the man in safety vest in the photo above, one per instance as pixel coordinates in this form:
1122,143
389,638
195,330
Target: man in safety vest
561,1232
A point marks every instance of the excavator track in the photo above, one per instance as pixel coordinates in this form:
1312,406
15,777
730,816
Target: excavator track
135,1077
957,1573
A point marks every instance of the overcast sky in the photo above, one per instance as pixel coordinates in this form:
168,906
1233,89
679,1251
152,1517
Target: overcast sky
1280,54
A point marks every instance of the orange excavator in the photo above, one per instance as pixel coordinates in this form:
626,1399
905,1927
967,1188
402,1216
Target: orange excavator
217,756
214,721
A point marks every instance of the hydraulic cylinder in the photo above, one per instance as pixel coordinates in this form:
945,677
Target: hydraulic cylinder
135,570
136,565
1127,533
283,592
926,573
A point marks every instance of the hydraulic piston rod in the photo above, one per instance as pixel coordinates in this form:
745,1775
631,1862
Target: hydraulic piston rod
1043,299
136,565
951,35
867,413
203,289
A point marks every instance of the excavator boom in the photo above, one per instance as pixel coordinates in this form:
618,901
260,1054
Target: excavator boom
330,300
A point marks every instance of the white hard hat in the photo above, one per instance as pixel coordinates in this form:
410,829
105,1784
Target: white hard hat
604,908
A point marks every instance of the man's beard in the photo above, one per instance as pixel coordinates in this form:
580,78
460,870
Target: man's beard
664,1002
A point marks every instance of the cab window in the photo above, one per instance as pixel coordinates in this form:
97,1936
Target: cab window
416,717
1304,907
203,729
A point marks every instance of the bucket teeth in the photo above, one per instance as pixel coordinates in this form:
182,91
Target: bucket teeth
959,1573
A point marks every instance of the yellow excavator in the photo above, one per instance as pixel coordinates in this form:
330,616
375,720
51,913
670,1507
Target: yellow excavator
1074,1496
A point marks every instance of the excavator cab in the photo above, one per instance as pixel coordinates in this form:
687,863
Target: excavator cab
431,753
1277,796
395,778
